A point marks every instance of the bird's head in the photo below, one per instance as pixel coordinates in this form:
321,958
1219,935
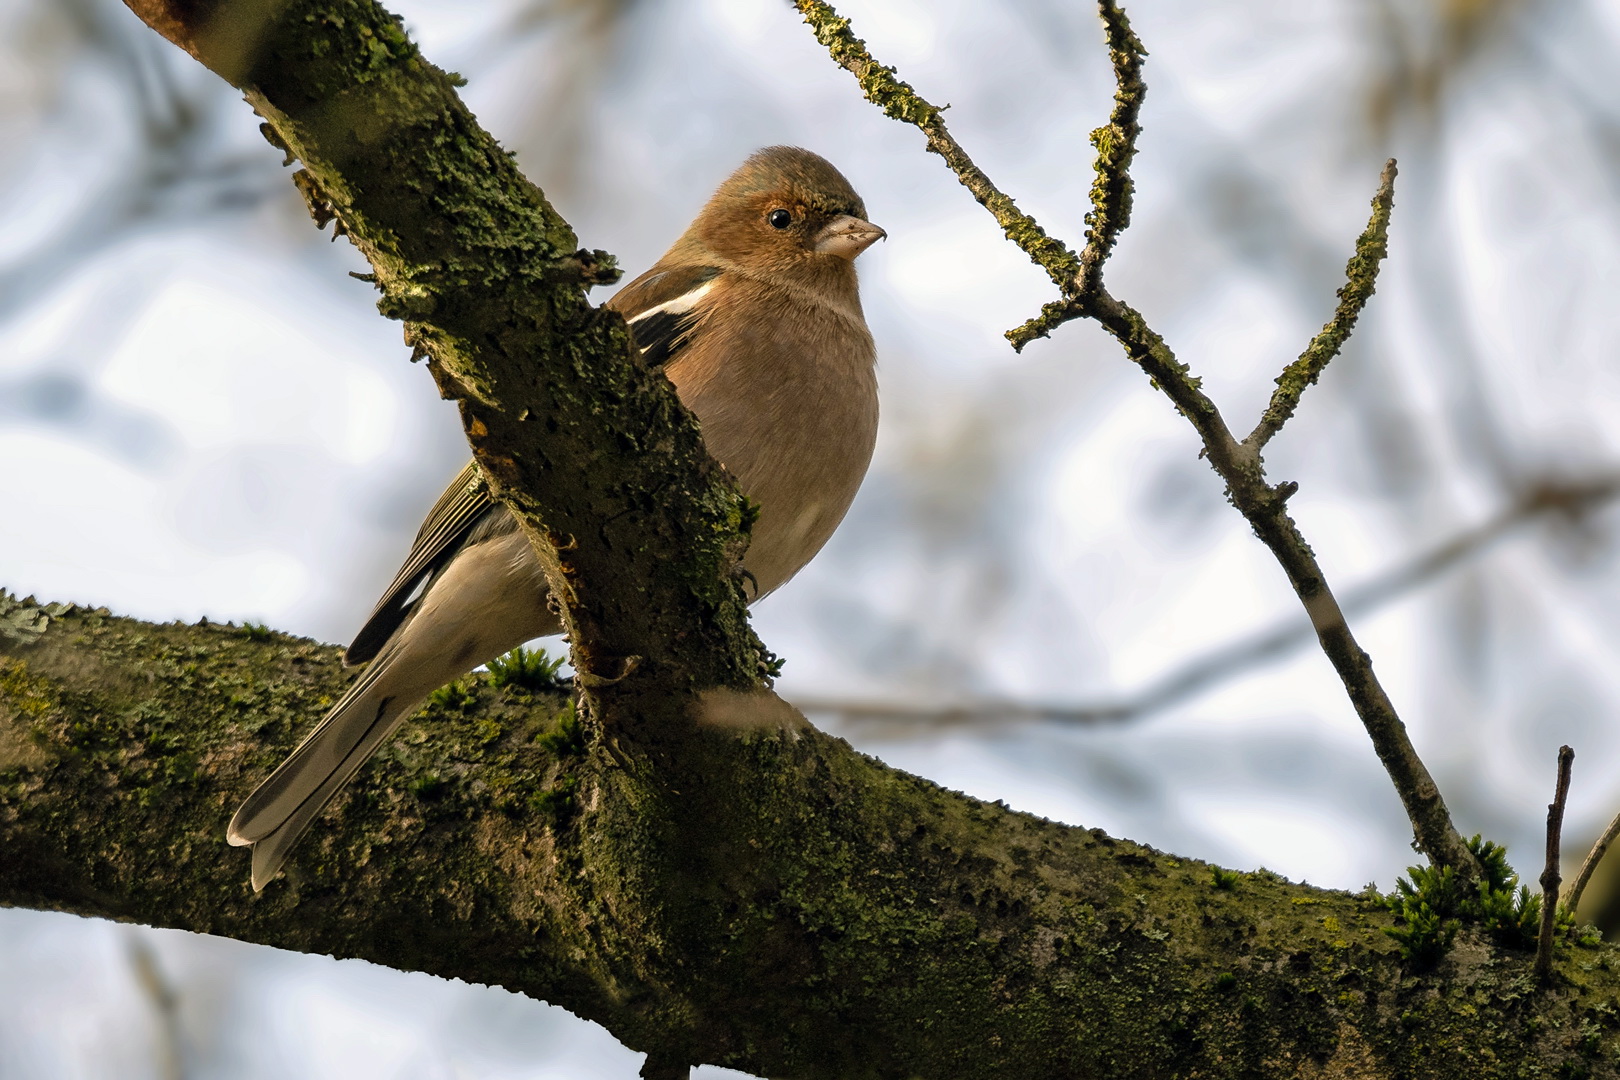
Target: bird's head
787,211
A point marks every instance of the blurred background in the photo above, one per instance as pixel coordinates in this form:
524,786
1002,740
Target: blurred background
1040,594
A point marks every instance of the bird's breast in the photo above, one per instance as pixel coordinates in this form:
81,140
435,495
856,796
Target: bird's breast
789,405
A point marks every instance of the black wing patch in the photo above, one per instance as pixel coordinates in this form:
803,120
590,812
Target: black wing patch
464,504
660,334
662,308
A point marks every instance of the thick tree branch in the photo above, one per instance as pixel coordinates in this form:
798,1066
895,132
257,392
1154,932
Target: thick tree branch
816,914
640,533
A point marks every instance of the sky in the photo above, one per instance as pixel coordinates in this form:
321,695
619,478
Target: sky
202,414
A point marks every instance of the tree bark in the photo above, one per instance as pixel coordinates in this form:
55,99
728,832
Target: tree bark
688,863
784,906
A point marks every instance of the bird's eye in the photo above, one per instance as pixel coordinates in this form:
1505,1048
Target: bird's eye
779,219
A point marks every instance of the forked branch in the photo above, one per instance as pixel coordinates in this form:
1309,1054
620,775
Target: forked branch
1079,279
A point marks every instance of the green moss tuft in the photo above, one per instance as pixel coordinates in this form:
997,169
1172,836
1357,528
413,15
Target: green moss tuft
1433,904
567,739
527,669
457,696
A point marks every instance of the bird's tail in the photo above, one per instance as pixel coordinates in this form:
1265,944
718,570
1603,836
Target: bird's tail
273,818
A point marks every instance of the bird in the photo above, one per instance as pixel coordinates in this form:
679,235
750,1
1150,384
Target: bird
754,314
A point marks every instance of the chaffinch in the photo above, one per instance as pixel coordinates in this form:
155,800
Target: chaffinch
754,315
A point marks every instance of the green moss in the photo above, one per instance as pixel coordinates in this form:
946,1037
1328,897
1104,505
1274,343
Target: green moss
1433,904
567,738
457,696
527,669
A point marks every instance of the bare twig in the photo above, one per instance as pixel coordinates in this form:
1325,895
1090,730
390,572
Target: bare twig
1233,660
1239,465
1593,859
900,102
1361,275
1549,876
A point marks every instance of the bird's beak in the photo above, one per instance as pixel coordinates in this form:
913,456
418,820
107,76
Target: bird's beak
847,236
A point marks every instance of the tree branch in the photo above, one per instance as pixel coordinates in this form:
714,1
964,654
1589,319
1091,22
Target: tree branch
900,102
1361,275
1593,859
1549,875
1238,464
814,913
640,533
1112,188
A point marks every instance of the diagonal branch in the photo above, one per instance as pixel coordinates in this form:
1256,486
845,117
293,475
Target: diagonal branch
1361,275
899,101
638,529
1239,465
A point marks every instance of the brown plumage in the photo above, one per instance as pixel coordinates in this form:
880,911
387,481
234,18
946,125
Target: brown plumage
755,316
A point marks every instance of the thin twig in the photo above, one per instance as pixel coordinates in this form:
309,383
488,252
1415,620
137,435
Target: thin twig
899,101
1115,143
1112,187
1239,466
1573,499
1361,275
1549,876
1593,858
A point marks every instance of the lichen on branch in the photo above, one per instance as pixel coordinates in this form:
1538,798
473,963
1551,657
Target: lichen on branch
575,434
780,905
1361,276
1239,464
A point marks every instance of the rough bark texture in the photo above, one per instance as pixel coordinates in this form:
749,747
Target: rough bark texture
787,906
640,532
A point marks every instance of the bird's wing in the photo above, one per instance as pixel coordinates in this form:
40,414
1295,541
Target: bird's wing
451,521
662,307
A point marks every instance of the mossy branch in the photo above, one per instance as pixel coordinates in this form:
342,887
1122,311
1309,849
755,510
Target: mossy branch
785,906
639,531
1111,188
1361,275
1115,143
